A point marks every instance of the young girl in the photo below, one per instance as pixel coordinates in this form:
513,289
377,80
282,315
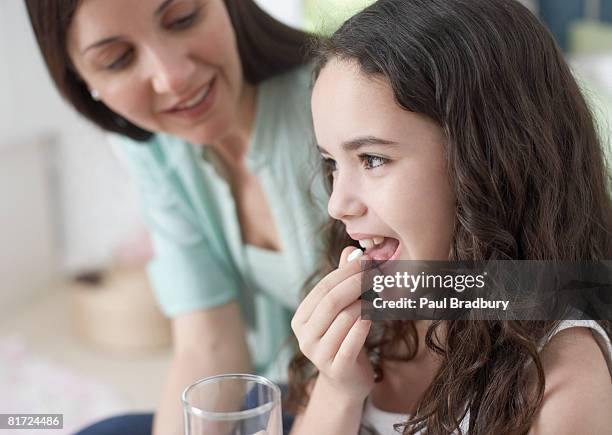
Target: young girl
453,130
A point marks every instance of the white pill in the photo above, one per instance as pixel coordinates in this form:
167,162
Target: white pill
354,255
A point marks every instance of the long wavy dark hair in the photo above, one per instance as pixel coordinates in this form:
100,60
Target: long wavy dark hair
529,177
266,47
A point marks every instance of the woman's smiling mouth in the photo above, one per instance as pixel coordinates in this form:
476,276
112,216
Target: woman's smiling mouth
197,104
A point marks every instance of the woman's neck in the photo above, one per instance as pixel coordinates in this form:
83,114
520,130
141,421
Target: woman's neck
233,147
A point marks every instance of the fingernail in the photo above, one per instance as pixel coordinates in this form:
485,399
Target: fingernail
354,255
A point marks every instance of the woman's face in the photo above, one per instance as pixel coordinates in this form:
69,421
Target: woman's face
165,65
390,173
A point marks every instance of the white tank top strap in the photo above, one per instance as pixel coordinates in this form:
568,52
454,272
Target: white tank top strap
598,332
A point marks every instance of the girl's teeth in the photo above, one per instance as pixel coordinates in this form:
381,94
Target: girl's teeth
370,243
366,243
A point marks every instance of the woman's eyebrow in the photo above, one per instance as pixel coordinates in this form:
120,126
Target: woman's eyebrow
100,43
162,7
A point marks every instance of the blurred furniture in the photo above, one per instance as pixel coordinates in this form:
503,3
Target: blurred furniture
116,310
43,334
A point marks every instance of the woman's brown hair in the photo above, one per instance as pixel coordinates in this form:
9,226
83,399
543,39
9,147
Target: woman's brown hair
529,177
266,47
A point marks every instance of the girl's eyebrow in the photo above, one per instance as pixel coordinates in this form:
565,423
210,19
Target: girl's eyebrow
358,142
355,144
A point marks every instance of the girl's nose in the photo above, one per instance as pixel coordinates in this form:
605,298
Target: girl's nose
345,201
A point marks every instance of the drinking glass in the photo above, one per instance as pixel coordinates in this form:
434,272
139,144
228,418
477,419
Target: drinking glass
234,404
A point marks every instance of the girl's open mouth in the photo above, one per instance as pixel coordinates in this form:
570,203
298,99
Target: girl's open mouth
386,249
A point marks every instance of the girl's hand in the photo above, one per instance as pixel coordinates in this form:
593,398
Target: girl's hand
331,334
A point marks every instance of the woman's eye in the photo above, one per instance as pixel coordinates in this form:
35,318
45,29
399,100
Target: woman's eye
184,22
371,162
121,61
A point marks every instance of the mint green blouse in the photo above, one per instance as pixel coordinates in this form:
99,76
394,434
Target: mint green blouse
200,260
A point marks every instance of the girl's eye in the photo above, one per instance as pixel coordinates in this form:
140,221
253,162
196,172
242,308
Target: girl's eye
121,61
184,22
371,162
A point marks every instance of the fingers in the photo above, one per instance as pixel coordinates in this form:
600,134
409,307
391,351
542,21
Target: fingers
327,323
353,343
332,304
322,350
338,330
315,296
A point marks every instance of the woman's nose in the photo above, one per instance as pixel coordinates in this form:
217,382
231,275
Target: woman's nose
172,71
344,202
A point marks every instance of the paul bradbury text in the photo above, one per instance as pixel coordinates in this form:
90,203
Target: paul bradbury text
445,303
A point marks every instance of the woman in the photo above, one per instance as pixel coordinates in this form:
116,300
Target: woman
452,130
232,223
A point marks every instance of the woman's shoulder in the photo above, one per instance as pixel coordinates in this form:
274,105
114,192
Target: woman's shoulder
156,157
159,148
163,168
578,388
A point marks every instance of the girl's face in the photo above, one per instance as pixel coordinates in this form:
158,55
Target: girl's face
389,170
165,65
